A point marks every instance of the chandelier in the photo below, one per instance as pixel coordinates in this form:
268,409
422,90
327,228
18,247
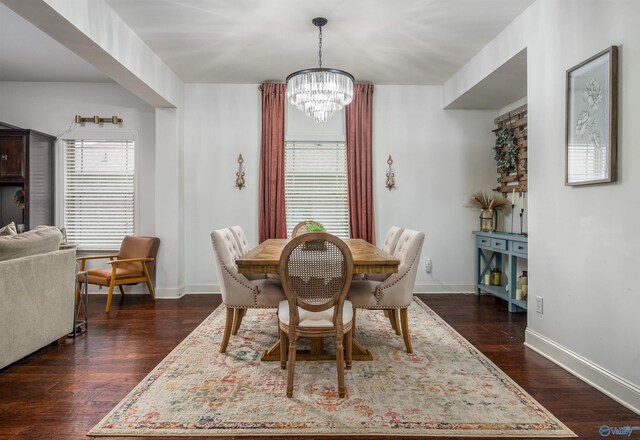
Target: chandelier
320,92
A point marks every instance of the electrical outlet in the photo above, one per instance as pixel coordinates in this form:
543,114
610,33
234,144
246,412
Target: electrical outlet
539,304
428,265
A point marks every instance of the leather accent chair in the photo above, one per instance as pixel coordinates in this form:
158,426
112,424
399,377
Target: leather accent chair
396,292
238,292
316,270
389,246
135,263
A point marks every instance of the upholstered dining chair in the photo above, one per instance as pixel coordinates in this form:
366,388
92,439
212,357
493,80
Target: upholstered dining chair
315,269
238,292
389,246
135,263
396,292
243,248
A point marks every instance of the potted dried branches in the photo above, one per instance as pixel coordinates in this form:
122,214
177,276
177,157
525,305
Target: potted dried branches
489,206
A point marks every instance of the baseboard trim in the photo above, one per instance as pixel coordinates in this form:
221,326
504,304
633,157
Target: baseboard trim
170,292
619,389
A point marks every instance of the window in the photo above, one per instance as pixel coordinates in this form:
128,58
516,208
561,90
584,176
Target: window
99,192
315,182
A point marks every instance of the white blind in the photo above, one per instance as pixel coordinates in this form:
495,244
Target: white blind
315,182
99,192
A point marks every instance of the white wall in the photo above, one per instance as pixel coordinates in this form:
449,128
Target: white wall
584,253
51,107
584,241
440,158
222,121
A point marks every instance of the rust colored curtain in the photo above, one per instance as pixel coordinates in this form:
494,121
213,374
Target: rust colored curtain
359,164
272,221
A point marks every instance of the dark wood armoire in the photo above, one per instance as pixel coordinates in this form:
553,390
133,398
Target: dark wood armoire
26,177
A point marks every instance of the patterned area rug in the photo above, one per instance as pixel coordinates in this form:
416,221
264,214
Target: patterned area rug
446,388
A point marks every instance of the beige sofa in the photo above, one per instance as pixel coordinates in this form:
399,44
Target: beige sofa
36,292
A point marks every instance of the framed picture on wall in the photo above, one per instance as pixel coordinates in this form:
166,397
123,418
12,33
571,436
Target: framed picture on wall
591,117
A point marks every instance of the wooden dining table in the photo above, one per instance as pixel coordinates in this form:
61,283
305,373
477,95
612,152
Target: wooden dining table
367,258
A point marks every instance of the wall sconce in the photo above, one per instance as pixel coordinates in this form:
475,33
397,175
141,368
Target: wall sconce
391,182
240,173
98,120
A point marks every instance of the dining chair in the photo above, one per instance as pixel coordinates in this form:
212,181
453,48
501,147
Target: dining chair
134,264
238,292
316,270
301,228
396,292
243,248
389,246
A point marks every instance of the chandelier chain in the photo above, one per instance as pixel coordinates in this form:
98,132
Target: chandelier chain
320,47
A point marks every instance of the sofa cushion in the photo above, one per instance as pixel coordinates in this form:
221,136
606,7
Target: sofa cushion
40,240
10,229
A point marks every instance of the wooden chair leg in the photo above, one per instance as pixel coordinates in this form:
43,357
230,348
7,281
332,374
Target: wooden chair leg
227,330
353,321
109,297
121,289
349,343
148,281
340,364
393,318
292,363
283,349
237,320
404,318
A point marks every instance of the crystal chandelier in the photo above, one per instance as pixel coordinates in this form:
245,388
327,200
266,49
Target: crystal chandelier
320,92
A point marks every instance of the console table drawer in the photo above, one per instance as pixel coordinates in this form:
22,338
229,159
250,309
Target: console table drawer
484,242
499,244
520,247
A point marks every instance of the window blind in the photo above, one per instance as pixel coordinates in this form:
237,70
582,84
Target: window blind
316,185
99,192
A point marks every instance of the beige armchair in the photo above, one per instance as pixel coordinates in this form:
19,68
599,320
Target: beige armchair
238,292
389,246
396,292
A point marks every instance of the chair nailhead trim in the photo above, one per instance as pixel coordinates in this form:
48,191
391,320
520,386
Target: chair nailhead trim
239,281
380,289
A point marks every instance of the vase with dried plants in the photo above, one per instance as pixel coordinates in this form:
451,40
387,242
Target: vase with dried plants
489,205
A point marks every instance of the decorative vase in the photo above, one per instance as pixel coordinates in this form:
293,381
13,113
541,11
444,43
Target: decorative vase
488,220
496,277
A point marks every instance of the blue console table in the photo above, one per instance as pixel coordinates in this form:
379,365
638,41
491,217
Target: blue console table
491,248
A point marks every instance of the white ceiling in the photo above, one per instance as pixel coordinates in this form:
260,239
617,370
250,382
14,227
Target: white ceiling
28,54
378,41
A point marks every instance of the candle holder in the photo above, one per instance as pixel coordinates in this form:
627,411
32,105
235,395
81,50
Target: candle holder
521,221
391,181
512,215
240,173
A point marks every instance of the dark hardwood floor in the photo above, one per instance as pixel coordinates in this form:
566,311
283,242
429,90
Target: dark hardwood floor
60,392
